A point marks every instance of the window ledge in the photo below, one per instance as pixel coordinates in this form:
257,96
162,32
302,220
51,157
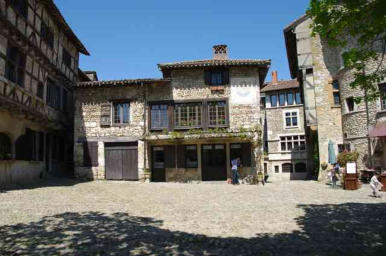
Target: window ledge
336,106
292,127
354,112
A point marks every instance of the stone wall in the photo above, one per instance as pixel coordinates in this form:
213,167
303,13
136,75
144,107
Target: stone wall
88,125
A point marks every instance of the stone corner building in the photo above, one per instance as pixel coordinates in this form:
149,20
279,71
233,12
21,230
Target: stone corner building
39,55
331,113
186,126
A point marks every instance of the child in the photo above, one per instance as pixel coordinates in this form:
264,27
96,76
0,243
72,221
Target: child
374,183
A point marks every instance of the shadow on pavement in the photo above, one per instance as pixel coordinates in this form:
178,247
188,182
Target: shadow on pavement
46,182
344,229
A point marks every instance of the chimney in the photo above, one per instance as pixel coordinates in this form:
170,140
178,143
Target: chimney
220,52
274,77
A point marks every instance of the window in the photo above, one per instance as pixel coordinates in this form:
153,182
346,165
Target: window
350,104
262,102
298,98
188,115
20,6
336,98
309,71
47,35
217,113
242,150
273,100
282,99
336,92
217,77
121,113
276,169
40,90
53,94
158,157
66,58
382,90
191,159
291,119
159,116
290,98
344,147
15,65
5,147
287,167
295,143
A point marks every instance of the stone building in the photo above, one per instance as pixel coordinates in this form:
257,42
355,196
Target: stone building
186,126
39,56
284,130
330,111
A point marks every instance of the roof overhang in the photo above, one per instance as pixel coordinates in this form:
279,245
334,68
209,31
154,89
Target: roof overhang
58,17
122,83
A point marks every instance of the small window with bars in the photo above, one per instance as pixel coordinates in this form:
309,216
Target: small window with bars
188,115
122,113
217,113
293,143
159,116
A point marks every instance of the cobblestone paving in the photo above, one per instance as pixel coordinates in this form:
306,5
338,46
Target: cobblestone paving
120,218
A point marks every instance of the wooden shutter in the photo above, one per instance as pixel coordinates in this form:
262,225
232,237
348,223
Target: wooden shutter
207,77
225,76
170,156
90,153
180,156
246,154
105,114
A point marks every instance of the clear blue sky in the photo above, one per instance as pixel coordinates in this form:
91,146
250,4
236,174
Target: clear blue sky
128,38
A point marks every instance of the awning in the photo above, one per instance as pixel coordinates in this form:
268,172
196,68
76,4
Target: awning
379,130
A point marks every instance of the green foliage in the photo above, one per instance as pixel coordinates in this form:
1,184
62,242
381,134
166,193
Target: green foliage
340,21
345,157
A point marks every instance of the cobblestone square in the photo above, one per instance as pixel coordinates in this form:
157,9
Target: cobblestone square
131,218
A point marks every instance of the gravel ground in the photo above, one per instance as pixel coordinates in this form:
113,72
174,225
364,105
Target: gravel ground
121,218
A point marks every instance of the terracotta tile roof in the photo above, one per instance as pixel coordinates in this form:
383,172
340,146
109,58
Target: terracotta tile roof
280,85
213,63
54,11
123,82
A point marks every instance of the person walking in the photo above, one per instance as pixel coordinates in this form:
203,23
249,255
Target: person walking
374,183
334,177
235,174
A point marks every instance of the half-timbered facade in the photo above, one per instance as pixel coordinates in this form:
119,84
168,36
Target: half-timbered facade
39,57
186,126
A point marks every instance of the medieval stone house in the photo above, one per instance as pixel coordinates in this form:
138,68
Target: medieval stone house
284,130
186,126
330,110
38,69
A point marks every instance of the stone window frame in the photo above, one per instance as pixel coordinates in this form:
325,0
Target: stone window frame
292,139
291,116
192,109
348,101
335,87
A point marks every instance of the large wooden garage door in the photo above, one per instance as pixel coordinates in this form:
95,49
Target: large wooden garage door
121,160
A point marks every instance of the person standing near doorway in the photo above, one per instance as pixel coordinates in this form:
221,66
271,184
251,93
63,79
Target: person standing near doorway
235,174
374,183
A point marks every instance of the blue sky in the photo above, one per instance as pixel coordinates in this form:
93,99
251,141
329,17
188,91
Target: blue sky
128,38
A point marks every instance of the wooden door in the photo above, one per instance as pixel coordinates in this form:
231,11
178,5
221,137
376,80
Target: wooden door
121,161
213,162
158,164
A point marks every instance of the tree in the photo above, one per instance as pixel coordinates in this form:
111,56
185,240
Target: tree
364,21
